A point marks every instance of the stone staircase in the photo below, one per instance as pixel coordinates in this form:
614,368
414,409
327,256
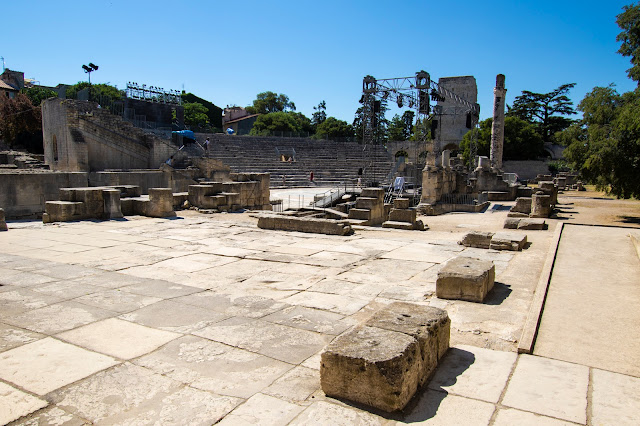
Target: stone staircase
331,162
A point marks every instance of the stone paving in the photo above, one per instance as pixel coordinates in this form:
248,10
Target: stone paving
204,319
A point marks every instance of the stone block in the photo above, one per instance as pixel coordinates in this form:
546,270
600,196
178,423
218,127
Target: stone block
197,194
361,214
367,203
477,239
508,241
523,205
398,225
376,367
402,215
62,211
465,278
524,191
430,326
541,205
160,202
304,224
401,203
112,207
511,222
517,214
373,193
532,224
3,223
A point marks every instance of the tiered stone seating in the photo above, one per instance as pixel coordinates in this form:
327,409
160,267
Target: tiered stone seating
331,162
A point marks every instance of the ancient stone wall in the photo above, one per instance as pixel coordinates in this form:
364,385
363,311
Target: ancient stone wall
23,194
452,125
79,136
526,169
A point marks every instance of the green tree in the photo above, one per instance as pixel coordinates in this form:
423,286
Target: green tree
605,145
38,94
21,123
629,22
195,114
304,123
101,93
320,114
268,102
521,140
546,110
280,121
380,123
396,129
332,128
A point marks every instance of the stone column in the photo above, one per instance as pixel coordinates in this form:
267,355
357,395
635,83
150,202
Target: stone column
497,128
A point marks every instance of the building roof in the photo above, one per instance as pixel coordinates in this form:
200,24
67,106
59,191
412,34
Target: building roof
6,86
241,118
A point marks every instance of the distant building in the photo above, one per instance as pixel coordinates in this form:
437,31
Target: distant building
238,119
11,82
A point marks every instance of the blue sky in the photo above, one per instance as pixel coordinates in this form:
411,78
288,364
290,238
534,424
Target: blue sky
227,52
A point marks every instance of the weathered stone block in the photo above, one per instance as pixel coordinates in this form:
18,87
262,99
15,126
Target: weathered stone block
160,202
373,193
523,205
532,224
477,239
401,203
512,222
430,326
540,205
404,215
62,211
373,366
362,214
517,214
367,203
304,224
508,241
112,208
398,225
465,278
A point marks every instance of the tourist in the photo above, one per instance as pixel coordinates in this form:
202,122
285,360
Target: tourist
311,177
206,147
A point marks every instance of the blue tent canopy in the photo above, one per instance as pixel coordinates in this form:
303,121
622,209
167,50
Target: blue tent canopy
186,134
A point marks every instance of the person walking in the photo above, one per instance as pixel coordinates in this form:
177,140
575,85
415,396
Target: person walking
206,147
311,176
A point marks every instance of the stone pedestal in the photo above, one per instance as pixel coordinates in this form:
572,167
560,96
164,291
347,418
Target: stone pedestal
540,205
112,205
477,239
465,278
160,202
383,362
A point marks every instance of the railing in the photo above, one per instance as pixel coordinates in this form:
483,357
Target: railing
467,199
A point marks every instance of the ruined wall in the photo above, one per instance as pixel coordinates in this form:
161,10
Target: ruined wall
79,136
526,169
452,126
23,194
177,180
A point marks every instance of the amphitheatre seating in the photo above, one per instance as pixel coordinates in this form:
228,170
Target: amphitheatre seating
383,362
331,162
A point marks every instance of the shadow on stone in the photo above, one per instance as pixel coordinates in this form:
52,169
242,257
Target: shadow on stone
426,401
498,294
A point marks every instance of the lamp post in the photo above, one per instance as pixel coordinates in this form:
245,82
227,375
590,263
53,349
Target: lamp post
89,69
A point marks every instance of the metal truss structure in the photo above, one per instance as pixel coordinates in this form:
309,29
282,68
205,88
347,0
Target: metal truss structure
153,94
416,93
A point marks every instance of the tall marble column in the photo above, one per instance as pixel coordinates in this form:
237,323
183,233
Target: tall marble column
497,128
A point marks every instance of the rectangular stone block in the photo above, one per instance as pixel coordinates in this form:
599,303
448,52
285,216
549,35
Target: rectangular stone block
376,367
373,193
361,214
511,222
3,223
532,224
430,326
304,224
367,203
112,208
523,205
401,203
398,225
508,241
465,278
404,215
477,239
62,211
160,202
